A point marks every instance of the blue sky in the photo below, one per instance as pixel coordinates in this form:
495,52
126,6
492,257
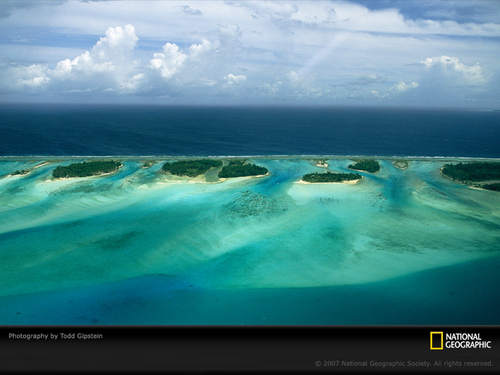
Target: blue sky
382,53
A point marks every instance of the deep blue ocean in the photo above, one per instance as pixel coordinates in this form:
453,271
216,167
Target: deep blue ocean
68,130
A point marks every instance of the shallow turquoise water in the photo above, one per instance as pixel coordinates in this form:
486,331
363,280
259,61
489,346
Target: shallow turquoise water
141,247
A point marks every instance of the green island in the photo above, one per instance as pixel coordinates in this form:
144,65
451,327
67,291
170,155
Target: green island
401,164
478,174
147,164
190,168
367,165
20,172
330,177
494,187
86,169
239,168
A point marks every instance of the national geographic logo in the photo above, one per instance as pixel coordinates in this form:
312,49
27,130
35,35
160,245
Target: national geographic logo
439,341
436,340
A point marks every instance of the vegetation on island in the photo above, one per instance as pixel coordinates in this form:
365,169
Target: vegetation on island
330,177
472,172
367,165
85,169
239,168
147,164
237,162
494,187
20,172
191,168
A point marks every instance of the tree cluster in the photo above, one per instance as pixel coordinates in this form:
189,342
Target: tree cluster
85,169
237,162
330,177
494,187
21,171
367,165
242,170
191,168
472,172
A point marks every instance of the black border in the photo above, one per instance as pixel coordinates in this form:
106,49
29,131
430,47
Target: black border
243,349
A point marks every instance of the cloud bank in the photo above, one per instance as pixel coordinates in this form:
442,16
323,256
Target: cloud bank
249,52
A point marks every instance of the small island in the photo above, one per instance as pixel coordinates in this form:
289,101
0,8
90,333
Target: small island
86,169
20,172
331,177
366,165
401,164
478,174
190,168
147,164
240,168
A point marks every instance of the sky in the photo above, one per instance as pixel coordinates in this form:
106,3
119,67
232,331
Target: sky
338,53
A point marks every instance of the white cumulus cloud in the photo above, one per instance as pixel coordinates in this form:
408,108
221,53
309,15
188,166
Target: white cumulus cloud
111,53
168,62
107,64
205,46
395,90
231,78
294,77
132,84
401,86
31,76
451,66
271,89
285,49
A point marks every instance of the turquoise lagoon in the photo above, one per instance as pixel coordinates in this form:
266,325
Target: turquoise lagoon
142,247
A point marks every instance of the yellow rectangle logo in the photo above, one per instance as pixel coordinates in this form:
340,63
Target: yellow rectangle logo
436,340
